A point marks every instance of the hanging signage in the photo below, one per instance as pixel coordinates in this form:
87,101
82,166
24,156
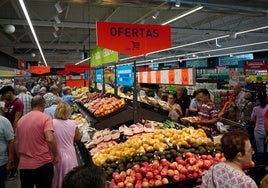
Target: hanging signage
77,68
124,75
133,39
255,62
99,75
39,69
185,76
22,65
100,56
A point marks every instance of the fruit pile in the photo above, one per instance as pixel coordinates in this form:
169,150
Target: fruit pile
159,140
92,97
105,106
170,154
160,172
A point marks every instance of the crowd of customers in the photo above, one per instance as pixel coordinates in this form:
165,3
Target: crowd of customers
49,158
37,136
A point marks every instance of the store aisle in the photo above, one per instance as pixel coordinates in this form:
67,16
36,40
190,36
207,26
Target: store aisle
13,183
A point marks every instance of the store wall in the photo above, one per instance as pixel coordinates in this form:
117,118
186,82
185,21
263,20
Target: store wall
8,61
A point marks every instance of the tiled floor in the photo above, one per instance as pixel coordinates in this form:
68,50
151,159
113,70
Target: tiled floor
13,183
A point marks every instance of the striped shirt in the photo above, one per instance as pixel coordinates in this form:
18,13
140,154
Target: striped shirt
26,99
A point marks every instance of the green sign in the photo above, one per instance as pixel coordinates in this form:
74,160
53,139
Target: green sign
100,56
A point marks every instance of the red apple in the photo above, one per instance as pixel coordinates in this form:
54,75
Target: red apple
138,184
176,172
176,178
165,181
145,184
129,185
179,167
178,158
173,165
121,185
188,155
170,173
164,162
191,160
156,172
158,177
190,169
118,178
143,170
158,182
195,174
123,174
136,167
207,164
139,176
151,182
200,163
182,177
114,174
184,171
181,162
190,176
203,157
155,164
164,172
209,157
128,171
149,175
145,164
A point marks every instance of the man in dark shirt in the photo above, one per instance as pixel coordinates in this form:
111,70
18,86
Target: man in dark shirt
183,100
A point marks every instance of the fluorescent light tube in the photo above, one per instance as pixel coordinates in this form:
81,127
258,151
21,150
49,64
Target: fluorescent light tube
183,14
56,18
32,29
156,14
55,27
58,7
178,3
250,30
55,34
82,61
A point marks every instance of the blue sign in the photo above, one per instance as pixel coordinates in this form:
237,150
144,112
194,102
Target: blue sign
86,75
124,75
99,75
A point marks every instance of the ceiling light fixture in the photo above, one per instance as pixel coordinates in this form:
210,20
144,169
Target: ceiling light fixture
56,18
55,27
32,29
250,30
82,61
58,7
186,13
178,3
217,44
156,14
55,34
208,51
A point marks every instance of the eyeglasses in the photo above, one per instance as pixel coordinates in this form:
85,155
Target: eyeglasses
251,150
170,98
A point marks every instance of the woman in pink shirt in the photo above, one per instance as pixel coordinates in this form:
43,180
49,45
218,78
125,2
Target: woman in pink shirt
258,116
66,131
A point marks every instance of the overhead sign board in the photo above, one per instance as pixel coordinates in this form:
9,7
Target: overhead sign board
124,75
133,39
100,56
99,75
185,76
39,69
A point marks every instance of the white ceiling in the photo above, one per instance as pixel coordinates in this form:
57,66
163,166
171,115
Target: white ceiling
77,27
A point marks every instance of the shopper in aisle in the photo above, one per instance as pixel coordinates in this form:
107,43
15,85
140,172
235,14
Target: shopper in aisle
51,109
86,177
68,97
25,98
183,100
13,105
13,111
258,117
36,146
140,91
7,151
195,104
66,131
238,152
175,111
245,109
208,112
53,92
42,91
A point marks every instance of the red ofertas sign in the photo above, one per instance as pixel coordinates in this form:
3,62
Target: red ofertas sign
133,39
39,69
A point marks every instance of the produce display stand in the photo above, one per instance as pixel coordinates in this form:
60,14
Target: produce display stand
114,119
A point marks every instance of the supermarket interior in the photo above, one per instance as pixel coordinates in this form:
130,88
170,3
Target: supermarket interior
132,93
